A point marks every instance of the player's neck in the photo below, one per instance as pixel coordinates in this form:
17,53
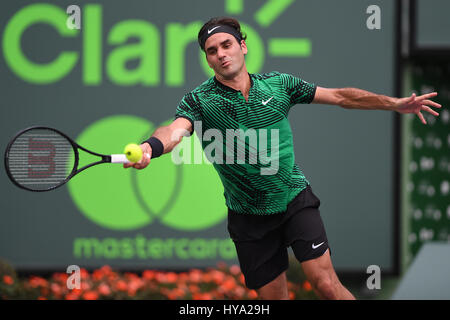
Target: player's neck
241,82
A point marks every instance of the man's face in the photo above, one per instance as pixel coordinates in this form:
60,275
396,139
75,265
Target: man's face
225,55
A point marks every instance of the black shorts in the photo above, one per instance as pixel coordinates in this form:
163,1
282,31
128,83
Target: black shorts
262,241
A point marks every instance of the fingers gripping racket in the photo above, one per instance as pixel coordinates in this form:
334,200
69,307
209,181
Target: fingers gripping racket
42,159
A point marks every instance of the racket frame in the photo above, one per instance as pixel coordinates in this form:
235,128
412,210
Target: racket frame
75,147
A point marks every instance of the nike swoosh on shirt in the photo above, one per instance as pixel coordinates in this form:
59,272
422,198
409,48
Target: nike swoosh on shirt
315,247
209,31
267,101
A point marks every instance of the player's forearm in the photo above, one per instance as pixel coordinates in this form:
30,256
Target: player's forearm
168,137
353,98
163,140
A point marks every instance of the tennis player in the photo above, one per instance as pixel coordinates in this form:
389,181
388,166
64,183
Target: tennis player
267,213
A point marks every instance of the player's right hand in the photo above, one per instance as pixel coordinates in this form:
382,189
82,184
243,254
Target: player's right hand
145,160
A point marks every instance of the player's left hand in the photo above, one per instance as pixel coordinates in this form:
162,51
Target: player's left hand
415,105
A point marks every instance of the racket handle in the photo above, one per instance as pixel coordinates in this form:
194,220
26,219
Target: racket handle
119,158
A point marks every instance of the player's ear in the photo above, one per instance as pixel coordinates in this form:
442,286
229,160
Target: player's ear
244,47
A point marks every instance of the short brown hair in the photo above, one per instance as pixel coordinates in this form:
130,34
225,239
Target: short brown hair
231,22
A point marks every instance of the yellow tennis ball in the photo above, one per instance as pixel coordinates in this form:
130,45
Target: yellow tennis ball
133,152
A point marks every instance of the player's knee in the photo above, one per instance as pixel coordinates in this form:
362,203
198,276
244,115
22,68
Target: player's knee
275,290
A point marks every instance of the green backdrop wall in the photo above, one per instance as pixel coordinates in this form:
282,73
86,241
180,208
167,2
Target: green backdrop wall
124,72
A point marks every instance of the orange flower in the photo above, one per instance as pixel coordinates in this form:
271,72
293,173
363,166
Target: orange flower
193,288
171,277
104,289
97,275
85,285
113,276
217,276
183,277
56,289
307,286
148,274
84,274
45,291
8,280
175,294
229,284
60,277
161,277
121,285
235,269
90,295
72,296
134,285
195,275
76,291
252,294
106,270
242,278
239,292
291,295
131,276
207,277
131,292
202,296
207,296
37,282
42,298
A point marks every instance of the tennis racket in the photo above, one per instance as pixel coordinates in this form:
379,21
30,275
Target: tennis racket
43,159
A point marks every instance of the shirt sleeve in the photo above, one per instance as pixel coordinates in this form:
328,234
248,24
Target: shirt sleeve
189,108
297,89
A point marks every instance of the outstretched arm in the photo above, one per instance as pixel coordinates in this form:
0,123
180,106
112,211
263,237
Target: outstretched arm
352,98
169,136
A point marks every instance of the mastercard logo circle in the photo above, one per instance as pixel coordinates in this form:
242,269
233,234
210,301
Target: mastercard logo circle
186,197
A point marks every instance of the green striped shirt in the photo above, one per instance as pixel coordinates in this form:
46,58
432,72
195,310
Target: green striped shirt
257,164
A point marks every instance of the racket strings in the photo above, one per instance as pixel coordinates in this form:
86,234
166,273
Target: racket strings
40,159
